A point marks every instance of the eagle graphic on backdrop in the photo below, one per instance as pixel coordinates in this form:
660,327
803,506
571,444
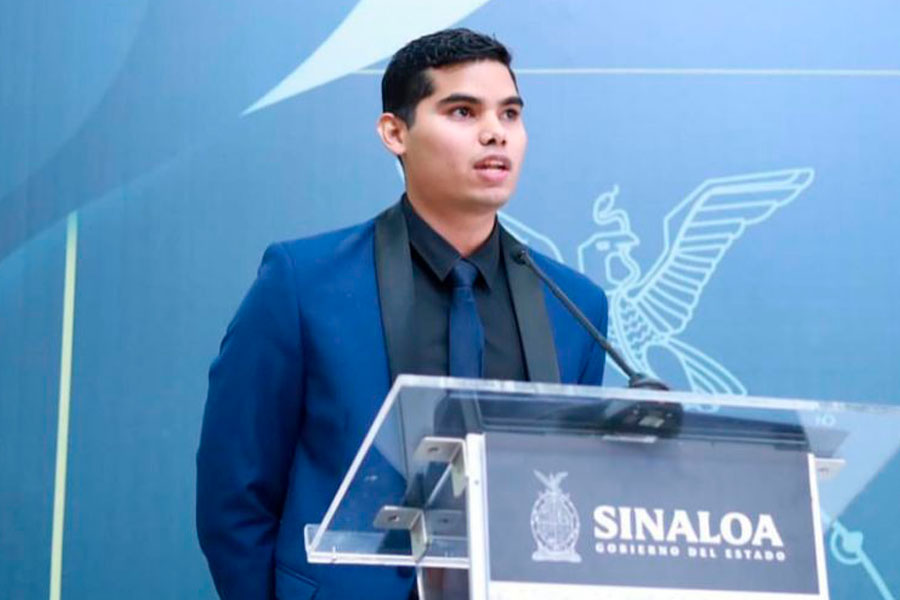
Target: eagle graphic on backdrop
648,312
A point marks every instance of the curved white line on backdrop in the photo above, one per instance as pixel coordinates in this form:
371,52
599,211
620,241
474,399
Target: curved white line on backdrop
373,30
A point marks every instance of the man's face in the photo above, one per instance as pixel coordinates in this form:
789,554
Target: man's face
467,142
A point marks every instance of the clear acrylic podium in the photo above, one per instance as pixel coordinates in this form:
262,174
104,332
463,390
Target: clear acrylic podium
416,493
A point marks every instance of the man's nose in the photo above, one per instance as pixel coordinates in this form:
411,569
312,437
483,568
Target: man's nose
492,133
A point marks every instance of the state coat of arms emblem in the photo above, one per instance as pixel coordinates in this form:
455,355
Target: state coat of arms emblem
554,522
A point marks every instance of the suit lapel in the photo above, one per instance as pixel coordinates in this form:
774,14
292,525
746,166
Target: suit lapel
393,270
531,315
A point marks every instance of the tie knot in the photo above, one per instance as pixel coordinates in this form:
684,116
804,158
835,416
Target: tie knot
463,274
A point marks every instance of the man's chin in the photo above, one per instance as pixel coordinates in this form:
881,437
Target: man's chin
489,202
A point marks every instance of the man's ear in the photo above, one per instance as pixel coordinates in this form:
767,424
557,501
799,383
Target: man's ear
392,130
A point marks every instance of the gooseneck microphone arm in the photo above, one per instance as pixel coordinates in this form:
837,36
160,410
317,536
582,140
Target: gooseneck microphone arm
635,379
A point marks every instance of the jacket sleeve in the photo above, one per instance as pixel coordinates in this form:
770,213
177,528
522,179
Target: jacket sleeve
592,372
250,429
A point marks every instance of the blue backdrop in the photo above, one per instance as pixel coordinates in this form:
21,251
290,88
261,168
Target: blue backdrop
729,171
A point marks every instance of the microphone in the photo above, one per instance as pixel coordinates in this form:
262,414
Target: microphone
635,379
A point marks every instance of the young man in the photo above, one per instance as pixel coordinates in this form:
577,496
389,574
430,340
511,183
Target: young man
429,287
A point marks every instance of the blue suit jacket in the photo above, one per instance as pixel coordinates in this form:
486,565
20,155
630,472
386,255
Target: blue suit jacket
301,373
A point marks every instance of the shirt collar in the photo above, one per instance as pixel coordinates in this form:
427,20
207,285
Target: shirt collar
440,256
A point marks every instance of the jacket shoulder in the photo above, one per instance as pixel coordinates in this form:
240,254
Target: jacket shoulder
326,244
323,254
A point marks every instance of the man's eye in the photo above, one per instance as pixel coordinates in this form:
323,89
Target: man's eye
511,114
461,111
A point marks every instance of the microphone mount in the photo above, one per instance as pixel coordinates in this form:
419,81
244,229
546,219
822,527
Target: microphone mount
635,379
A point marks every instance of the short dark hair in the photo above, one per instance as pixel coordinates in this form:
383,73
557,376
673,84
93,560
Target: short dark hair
405,82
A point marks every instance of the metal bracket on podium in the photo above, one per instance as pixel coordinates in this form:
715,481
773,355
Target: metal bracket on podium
406,519
445,450
828,468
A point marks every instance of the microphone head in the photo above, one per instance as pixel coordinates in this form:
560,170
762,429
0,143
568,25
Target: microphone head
520,254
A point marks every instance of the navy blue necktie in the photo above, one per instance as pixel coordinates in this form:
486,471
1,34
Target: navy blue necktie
466,334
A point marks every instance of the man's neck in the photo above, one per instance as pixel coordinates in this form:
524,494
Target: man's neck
466,232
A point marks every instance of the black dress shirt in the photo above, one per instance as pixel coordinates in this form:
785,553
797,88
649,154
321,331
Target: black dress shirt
432,259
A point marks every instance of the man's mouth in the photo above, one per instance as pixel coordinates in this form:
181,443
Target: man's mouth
495,162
